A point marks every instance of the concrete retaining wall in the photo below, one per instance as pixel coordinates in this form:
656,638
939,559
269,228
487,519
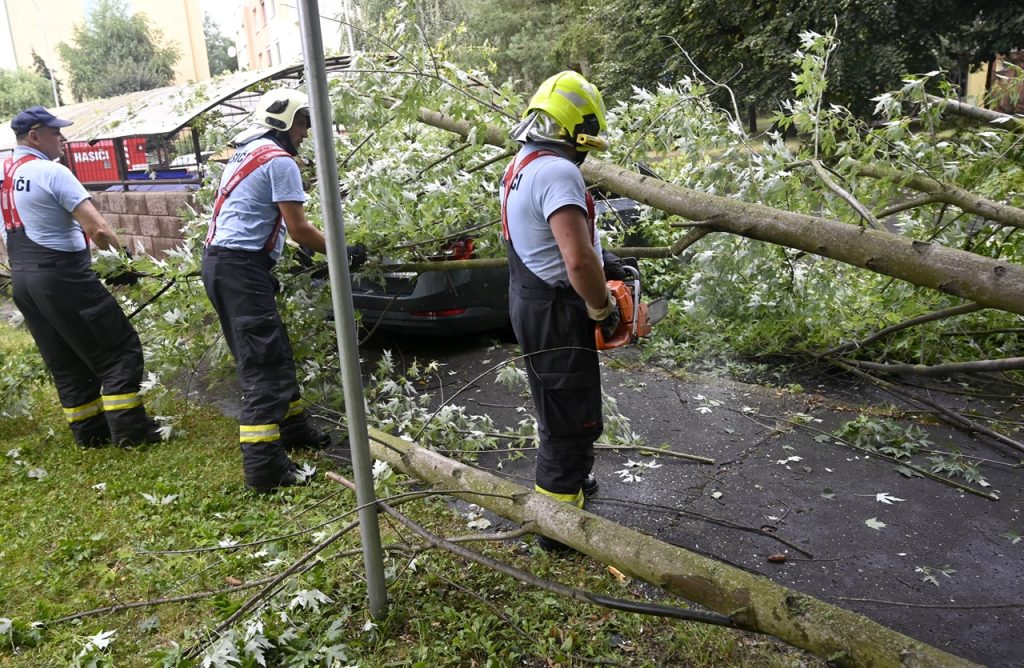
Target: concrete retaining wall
146,219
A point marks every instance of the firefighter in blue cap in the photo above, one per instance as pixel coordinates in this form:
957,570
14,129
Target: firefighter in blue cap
89,346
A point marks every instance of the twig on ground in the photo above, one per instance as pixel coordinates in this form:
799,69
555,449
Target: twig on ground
950,416
704,518
161,601
944,606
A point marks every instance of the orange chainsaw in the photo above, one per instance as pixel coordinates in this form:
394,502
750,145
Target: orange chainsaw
635,317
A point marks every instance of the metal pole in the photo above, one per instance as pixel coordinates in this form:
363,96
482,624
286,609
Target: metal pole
341,298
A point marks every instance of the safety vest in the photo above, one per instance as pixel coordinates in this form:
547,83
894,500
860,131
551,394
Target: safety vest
252,162
513,172
12,221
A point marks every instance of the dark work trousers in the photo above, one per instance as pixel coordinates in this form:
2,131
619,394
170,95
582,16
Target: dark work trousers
85,340
241,288
565,380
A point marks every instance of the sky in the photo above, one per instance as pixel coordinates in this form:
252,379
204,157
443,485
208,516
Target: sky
224,12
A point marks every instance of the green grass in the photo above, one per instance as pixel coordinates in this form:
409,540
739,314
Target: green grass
67,546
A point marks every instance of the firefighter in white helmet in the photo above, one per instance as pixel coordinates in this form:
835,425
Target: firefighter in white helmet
260,198
557,285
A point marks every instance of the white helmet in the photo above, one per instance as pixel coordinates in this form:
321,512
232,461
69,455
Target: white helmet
276,108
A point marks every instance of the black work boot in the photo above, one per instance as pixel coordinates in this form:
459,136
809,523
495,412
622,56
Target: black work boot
268,468
590,485
133,427
296,433
552,545
91,432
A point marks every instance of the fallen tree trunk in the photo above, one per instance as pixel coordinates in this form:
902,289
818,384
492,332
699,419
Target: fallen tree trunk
988,282
843,637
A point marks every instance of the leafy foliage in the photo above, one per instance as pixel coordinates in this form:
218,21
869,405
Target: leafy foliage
20,89
748,44
217,46
116,52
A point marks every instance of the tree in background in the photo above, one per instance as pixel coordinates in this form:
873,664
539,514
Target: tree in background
116,52
20,89
748,44
44,71
525,41
218,47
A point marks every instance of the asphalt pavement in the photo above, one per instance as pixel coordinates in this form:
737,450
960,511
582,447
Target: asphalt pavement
785,499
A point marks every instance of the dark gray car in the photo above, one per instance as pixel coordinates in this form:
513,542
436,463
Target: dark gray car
449,303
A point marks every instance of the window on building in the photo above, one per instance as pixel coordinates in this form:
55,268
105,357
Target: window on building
277,50
270,61
271,8
263,13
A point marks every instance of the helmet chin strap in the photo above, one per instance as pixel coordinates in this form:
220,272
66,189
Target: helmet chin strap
282,139
580,157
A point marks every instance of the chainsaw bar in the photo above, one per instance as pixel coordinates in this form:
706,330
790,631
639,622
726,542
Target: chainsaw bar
657,310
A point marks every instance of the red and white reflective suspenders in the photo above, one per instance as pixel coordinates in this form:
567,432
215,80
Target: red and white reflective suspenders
512,173
12,220
252,162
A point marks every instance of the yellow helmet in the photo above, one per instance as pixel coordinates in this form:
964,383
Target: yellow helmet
566,109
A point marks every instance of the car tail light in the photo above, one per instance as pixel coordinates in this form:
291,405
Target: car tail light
460,249
444,313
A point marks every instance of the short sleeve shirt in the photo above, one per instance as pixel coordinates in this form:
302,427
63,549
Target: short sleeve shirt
250,215
45,194
544,186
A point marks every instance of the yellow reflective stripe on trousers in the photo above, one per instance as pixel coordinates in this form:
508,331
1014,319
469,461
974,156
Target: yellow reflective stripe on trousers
84,412
575,499
121,402
258,433
294,408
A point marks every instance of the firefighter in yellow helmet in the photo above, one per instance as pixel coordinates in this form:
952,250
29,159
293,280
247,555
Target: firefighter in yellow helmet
557,285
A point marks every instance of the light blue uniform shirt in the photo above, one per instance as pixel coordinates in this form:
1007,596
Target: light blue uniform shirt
46,193
250,212
546,185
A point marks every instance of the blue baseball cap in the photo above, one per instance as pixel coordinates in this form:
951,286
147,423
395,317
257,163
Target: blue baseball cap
35,117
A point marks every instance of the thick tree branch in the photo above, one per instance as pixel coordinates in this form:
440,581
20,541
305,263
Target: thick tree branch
950,369
906,324
995,118
548,585
989,282
943,192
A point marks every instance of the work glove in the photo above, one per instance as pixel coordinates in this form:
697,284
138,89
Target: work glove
606,317
126,276
613,266
356,256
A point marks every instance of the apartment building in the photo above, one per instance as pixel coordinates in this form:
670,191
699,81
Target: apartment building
28,26
266,32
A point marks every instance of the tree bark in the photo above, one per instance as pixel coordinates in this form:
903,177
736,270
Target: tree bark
992,283
757,603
